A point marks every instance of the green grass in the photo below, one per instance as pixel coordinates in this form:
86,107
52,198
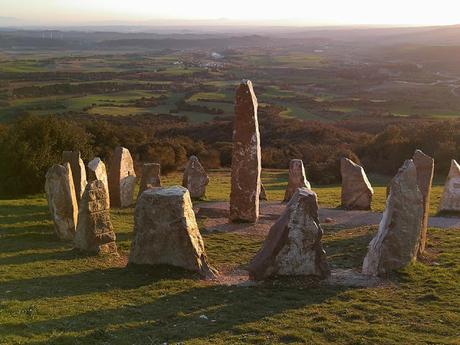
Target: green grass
50,294
275,182
21,66
116,111
208,95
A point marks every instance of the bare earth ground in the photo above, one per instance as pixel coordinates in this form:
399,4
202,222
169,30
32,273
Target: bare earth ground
216,212
214,216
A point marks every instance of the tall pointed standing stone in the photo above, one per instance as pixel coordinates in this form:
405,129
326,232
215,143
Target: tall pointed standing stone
450,200
297,179
78,171
94,230
151,177
122,178
425,172
62,201
195,178
356,189
246,157
397,240
98,171
293,245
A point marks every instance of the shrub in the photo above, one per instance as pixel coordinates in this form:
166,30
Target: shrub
29,147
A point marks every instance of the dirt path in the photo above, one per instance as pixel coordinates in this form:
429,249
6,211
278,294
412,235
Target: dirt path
217,212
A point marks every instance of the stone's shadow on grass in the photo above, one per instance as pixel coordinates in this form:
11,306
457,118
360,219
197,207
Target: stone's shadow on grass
25,230
29,217
346,248
28,240
197,313
92,281
124,236
27,258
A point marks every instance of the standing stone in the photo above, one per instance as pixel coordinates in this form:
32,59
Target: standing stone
195,178
94,230
356,189
97,171
62,201
166,232
122,178
397,240
78,171
297,179
450,200
151,173
425,172
246,157
293,245
263,193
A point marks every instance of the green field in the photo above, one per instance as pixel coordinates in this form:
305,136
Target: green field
51,294
306,84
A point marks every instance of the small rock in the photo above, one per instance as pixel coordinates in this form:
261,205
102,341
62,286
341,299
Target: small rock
122,178
297,178
195,178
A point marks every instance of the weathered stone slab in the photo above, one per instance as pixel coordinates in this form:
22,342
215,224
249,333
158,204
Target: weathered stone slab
78,171
98,171
450,200
397,240
425,172
62,200
246,157
151,177
293,245
356,189
297,179
94,230
122,178
166,232
195,178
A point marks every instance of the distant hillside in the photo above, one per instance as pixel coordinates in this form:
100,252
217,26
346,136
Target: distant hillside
432,35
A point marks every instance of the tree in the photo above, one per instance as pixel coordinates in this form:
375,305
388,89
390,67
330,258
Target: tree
29,147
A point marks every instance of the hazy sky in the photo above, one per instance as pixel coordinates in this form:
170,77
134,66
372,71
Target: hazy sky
313,12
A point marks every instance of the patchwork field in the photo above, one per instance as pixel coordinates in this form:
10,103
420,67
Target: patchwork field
51,294
313,82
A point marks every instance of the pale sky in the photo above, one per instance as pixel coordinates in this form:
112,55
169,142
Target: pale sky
306,12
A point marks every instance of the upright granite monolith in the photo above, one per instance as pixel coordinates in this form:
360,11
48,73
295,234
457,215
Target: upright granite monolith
195,178
356,189
166,232
246,157
293,245
297,179
78,171
425,172
151,177
122,178
450,200
62,201
94,230
98,171
398,237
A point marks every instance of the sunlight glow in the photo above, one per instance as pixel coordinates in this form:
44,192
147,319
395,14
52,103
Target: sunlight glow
296,12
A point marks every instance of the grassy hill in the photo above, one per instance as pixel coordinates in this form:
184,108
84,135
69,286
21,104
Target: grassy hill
50,294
